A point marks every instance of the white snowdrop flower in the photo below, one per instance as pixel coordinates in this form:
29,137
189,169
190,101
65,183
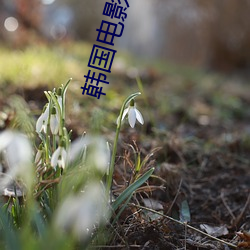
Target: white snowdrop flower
77,148
99,155
133,114
17,152
98,152
80,214
54,121
42,122
59,157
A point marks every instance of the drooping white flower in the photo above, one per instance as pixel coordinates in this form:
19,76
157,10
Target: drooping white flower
54,121
42,122
79,214
133,114
59,157
98,152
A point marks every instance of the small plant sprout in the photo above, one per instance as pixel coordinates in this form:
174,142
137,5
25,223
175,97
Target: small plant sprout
133,114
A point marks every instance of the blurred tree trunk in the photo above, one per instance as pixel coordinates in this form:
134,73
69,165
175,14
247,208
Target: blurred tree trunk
28,13
87,17
229,34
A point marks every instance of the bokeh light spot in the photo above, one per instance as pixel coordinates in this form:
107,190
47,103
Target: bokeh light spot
11,24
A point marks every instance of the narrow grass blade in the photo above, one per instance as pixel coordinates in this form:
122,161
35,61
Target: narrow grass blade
128,191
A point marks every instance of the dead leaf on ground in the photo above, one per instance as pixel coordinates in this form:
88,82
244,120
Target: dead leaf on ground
245,236
215,231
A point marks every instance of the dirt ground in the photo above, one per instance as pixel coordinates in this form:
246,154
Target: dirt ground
199,131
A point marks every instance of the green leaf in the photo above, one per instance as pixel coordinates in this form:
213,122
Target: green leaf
39,222
122,209
129,190
10,236
185,212
138,163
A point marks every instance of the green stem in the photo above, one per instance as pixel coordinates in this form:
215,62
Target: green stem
59,111
112,164
47,141
65,87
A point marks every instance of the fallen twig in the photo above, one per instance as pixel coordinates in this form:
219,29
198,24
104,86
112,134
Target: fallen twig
239,217
184,224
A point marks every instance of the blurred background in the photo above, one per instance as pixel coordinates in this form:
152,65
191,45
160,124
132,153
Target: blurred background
193,60
212,34
188,53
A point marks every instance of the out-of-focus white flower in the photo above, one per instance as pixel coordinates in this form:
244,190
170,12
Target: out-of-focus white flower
59,157
98,152
133,114
42,122
77,148
17,152
54,121
79,214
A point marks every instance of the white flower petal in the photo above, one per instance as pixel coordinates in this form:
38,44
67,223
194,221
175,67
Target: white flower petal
125,112
63,158
44,127
5,139
78,214
101,154
117,120
59,99
55,156
42,121
54,124
139,116
61,163
132,117
39,123
77,148
46,113
59,158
